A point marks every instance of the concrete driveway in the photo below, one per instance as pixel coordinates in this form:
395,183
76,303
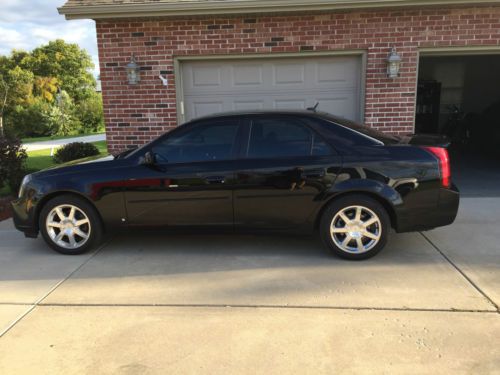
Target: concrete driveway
156,303
56,143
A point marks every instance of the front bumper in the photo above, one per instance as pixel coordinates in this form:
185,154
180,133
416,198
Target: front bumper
23,215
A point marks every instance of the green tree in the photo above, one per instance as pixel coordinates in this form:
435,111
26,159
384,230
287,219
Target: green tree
68,63
63,114
90,113
50,90
15,87
46,87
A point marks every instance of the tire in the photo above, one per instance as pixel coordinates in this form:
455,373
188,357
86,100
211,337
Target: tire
342,238
74,216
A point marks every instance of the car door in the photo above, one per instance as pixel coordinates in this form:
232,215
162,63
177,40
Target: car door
285,168
192,178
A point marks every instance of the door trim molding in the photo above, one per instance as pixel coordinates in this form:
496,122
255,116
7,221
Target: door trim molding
458,51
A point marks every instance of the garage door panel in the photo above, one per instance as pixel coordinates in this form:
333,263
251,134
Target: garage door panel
343,73
248,105
340,106
289,104
285,83
247,75
206,76
204,108
287,74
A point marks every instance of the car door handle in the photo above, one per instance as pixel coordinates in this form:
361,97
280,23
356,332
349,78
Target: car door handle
215,180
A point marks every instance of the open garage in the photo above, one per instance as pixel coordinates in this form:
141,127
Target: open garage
459,96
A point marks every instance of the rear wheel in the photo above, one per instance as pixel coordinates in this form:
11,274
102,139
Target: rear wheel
70,225
355,227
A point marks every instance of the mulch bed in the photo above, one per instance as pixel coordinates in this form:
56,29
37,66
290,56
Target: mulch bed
5,210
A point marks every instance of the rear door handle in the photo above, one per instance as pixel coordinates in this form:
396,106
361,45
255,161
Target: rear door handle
215,180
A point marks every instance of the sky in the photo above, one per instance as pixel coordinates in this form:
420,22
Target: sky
26,24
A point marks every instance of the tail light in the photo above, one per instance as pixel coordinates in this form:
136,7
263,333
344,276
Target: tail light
444,164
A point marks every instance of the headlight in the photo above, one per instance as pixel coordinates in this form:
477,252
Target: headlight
26,180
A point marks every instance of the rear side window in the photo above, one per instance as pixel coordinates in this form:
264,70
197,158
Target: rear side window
275,138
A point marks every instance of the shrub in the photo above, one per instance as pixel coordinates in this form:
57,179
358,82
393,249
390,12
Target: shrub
12,158
31,120
38,118
74,151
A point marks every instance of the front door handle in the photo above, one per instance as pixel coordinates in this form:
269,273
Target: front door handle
213,180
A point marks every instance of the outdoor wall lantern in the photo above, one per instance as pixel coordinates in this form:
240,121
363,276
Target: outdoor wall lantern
393,64
133,71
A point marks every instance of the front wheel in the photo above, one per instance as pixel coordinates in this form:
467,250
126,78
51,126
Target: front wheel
70,225
355,227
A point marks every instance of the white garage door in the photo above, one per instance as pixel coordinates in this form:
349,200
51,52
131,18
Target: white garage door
213,86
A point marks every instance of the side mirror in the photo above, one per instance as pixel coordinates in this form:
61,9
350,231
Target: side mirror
148,158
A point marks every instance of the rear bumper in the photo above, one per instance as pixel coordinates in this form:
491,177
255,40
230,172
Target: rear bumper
444,214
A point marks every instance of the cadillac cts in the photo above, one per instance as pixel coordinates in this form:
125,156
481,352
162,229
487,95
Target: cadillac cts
278,170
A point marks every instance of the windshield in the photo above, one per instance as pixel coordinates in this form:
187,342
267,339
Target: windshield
363,129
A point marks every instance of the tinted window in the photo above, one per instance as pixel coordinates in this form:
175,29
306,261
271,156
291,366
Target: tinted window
207,142
363,129
271,138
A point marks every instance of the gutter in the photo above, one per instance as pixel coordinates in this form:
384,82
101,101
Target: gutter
225,7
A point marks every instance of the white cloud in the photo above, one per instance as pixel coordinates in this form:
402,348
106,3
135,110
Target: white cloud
26,24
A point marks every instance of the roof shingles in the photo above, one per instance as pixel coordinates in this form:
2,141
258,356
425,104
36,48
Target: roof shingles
138,8
75,3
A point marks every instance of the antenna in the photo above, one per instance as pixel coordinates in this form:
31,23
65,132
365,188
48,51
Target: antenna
313,108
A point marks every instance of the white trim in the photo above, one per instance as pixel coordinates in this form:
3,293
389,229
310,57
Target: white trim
204,7
459,51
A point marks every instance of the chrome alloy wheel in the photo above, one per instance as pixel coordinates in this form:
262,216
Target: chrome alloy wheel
356,229
68,226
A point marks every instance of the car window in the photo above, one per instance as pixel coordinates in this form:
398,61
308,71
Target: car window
207,142
270,138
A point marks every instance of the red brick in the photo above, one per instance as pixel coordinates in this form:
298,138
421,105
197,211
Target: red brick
389,104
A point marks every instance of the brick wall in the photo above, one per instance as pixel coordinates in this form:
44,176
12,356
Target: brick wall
135,114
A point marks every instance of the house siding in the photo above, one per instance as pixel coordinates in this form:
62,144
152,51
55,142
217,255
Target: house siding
135,114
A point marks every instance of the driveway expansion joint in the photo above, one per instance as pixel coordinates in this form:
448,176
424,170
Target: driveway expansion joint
38,301
295,307
464,275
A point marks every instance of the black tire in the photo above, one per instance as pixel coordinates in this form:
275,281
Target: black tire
382,227
94,226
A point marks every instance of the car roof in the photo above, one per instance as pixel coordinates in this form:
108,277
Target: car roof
293,112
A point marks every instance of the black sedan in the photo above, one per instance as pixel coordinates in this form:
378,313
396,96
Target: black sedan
278,170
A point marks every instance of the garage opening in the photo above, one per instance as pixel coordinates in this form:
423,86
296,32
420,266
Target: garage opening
459,96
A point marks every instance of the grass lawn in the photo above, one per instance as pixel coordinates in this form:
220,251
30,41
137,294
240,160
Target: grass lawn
50,138
41,159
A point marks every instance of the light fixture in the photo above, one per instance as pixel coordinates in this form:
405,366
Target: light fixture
133,71
393,64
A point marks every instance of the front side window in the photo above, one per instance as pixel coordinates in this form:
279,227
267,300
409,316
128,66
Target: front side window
275,138
208,142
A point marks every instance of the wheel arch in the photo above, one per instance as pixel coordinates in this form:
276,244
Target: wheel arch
46,198
388,206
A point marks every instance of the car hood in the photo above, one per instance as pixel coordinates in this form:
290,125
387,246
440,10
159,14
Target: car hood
79,166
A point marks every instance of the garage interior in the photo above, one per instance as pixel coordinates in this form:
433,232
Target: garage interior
459,96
